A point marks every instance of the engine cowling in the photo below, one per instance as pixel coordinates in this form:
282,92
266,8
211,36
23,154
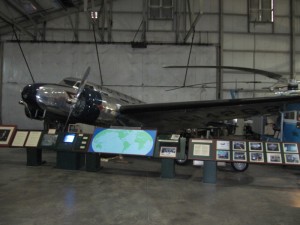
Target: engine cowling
87,107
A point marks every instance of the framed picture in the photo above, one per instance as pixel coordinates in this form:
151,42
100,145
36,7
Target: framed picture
223,145
6,134
239,145
169,152
272,147
201,149
290,147
274,158
74,128
291,158
257,157
19,139
255,146
223,155
239,156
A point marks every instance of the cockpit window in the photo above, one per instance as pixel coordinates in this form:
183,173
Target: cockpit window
69,82
87,86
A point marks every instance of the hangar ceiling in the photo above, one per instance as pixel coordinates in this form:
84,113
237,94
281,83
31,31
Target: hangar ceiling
25,14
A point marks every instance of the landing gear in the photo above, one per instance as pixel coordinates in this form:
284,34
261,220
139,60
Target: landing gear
239,167
182,161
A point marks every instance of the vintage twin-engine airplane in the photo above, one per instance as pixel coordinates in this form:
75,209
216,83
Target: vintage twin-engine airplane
77,101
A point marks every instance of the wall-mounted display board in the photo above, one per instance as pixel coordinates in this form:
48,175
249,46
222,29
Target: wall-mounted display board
20,139
7,133
258,152
170,146
123,141
33,139
202,149
245,151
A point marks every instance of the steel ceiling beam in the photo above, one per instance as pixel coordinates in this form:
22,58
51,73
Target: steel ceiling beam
49,16
12,23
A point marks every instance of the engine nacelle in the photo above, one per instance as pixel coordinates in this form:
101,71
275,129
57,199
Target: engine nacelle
88,105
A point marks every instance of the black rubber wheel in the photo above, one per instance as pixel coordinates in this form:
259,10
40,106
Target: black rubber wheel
239,167
182,161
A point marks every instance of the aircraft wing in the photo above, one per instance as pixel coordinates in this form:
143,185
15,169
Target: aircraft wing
194,114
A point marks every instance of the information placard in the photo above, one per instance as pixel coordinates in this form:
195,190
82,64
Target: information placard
33,139
19,139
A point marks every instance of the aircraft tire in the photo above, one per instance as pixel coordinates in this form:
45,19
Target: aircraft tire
239,167
182,161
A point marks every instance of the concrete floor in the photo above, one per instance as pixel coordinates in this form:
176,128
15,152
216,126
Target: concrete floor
132,192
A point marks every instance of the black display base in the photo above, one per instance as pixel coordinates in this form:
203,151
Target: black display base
34,156
93,162
167,168
69,160
210,172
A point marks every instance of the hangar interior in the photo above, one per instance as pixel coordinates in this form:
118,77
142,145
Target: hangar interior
57,39
127,44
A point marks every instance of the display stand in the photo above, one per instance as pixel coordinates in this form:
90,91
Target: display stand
34,156
69,160
93,162
210,172
167,168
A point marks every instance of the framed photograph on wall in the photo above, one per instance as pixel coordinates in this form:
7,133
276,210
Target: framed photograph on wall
239,156
257,157
255,146
290,147
6,135
223,155
223,145
274,158
168,152
239,145
292,159
272,147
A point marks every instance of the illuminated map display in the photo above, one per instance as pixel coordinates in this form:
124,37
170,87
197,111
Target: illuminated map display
123,141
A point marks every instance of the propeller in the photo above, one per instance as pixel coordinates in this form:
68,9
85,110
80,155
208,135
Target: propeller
290,84
79,91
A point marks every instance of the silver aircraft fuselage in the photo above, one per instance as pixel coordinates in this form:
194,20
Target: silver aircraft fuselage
95,105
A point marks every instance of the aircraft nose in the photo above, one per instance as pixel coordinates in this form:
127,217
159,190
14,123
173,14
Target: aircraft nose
29,94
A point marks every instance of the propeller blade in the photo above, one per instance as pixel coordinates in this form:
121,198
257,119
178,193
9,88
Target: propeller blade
83,82
272,75
79,91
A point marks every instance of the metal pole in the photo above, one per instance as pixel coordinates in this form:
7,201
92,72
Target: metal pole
219,78
292,40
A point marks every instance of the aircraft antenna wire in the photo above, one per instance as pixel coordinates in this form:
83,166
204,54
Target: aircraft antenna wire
101,79
18,40
188,62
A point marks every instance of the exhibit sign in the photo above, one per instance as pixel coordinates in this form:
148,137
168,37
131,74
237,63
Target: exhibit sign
201,149
19,139
123,141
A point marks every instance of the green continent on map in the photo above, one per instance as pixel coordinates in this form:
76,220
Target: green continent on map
122,134
126,145
142,138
